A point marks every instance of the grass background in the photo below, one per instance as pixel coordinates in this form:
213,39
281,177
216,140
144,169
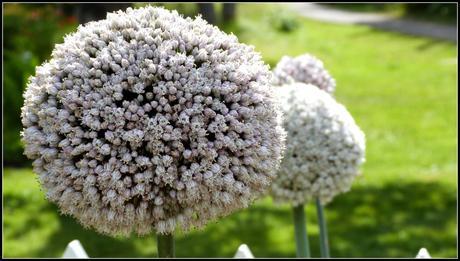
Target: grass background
401,90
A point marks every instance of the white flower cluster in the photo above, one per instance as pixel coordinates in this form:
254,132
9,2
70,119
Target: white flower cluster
148,120
304,68
324,146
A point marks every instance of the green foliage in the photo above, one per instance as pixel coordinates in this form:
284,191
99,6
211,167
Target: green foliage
17,68
30,33
283,21
444,12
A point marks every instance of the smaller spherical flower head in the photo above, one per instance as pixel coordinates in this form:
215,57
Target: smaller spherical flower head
306,69
150,121
324,146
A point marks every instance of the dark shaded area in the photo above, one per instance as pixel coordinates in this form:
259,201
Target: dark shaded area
426,43
92,11
221,239
437,12
394,220
95,245
13,203
228,12
446,12
207,12
413,27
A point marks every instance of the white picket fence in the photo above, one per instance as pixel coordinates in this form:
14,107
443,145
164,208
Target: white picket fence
243,252
423,253
75,250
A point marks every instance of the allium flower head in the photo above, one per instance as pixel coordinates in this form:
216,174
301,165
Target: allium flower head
324,146
148,120
305,69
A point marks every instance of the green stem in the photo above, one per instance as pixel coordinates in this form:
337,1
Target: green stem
322,230
165,245
301,238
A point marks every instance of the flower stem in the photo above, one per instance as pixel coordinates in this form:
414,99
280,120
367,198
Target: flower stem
322,230
165,245
301,237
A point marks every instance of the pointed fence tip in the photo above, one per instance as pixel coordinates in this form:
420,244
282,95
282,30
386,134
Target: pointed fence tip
75,250
243,252
423,253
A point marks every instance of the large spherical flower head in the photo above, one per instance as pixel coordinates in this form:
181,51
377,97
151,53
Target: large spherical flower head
305,69
324,146
148,120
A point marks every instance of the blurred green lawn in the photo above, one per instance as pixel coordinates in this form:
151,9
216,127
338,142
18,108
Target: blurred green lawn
401,90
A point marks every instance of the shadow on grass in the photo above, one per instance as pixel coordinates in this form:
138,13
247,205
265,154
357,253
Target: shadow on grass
394,220
415,28
221,239
14,203
426,43
96,245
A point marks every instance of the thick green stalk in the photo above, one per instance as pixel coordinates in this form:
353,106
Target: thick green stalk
165,245
301,237
322,230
